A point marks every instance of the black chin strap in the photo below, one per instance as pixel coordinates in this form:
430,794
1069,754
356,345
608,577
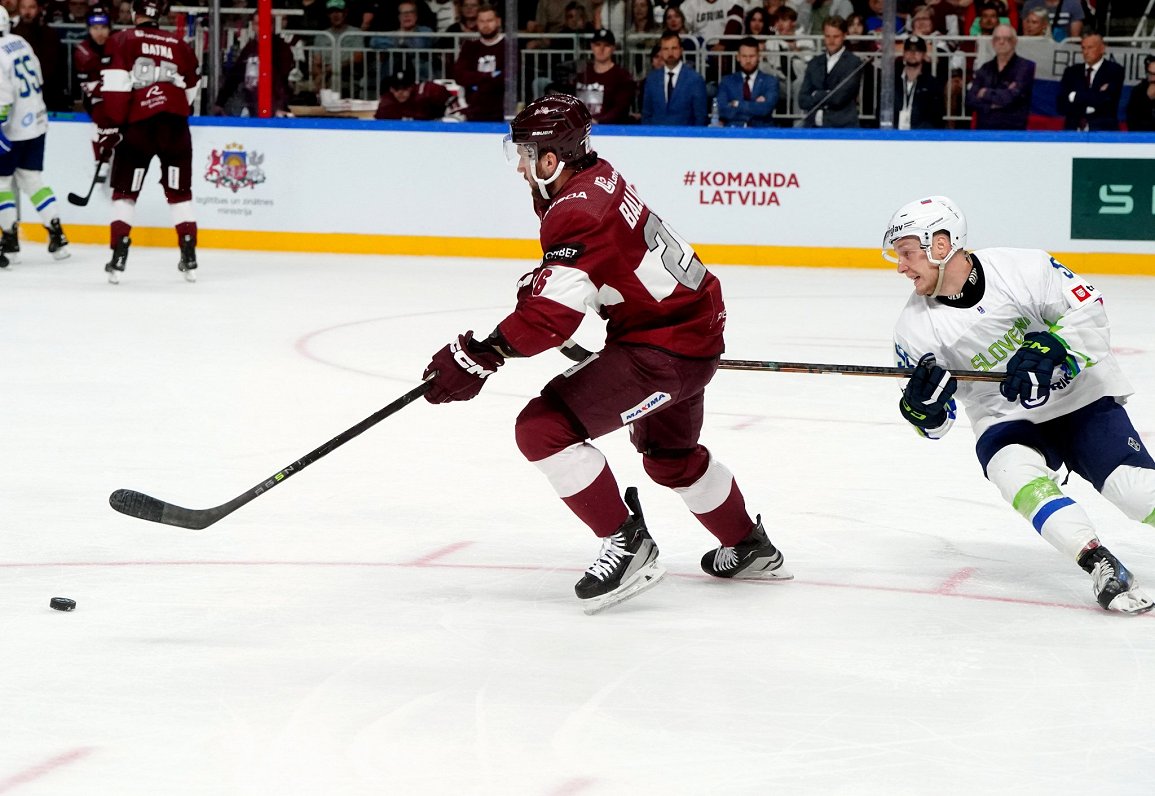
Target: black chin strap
973,288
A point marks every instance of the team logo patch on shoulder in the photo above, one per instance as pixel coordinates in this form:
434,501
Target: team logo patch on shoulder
645,407
565,253
1081,293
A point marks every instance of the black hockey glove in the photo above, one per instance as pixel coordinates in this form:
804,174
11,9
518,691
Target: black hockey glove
462,368
1030,370
929,390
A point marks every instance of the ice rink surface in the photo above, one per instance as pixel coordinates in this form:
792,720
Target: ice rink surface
400,618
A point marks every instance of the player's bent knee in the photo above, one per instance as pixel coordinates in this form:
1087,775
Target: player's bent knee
1015,467
542,430
1132,489
676,469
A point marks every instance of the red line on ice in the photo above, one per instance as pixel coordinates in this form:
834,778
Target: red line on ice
955,580
41,769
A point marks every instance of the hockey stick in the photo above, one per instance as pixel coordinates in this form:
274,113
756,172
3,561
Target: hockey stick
97,179
575,352
140,505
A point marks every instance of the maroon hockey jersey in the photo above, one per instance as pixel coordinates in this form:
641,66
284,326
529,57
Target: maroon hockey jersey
149,71
480,69
426,102
604,249
608,95
88,61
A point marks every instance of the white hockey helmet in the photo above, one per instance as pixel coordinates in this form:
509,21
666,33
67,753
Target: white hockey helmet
5,22
921,219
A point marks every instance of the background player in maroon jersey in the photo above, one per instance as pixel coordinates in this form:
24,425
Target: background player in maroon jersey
148,87
603,249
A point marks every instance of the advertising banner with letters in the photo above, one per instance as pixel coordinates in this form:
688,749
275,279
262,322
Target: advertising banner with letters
780,197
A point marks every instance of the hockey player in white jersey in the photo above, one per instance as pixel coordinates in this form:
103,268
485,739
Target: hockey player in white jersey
24,119
1022,312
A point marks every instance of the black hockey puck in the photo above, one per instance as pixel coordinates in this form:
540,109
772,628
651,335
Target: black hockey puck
62,603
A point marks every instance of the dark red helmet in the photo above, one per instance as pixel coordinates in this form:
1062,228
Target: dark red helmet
556,123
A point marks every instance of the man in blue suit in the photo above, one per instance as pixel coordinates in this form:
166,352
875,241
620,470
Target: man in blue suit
674,94
746,98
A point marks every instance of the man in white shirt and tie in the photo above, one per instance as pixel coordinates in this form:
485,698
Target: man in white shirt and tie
1089,92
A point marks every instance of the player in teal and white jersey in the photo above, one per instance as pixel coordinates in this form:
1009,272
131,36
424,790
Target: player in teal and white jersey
1023,313
24,125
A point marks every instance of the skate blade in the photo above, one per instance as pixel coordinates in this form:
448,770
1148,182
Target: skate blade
62,253
644,579
190,276
1133,601
781,573
114,277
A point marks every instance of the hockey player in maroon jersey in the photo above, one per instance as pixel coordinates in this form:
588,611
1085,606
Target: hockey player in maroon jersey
88,58
603,249
148,87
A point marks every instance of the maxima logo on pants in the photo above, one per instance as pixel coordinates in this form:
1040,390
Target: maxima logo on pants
1113,199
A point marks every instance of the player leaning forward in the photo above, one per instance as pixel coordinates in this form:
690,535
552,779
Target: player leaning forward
603,249
25,127
148,87
1060,403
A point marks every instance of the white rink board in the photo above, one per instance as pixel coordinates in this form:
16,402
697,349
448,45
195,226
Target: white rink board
449,180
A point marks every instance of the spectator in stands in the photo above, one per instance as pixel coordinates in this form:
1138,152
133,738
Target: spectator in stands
124,14
829,91
1066,16
606,88
1006,13
1141,106
987,21
408,25
747,98
856,26
758,23
874,18
466,18
341,77
550,17
812,14
919,96
675,94
238,92
642,19
1000,94
1089,92
675,20
1037,23
707,20
45,42
404,98
948,15
786,58
480,68
577,18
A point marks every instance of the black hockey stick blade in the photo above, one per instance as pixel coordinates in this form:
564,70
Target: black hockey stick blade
577,353
144,507
97,178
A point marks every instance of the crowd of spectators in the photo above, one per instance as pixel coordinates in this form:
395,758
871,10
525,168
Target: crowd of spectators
812,63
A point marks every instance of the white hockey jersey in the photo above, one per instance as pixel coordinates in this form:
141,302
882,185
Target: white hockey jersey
1026,290
21,89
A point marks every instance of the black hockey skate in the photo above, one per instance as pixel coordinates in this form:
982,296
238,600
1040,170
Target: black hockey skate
116,265
57,242
626,566
188,258
10,244
1112,583
755,557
